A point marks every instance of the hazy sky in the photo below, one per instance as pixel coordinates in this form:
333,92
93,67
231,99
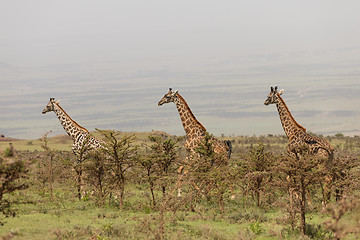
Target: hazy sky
305,44
82,31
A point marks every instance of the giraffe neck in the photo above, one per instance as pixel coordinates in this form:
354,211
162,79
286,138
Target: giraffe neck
73,129
190,123
290,126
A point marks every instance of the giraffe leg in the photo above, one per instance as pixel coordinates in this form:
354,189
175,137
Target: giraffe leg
308,197
178,184
79,180
326,192
232,196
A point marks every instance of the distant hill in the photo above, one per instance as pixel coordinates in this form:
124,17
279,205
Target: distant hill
64,142
7,139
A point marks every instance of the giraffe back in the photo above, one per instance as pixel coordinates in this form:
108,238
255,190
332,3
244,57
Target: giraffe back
317,146
85,143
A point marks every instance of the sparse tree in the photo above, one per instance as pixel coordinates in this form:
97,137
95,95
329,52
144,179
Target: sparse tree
256,171
209,174
98,175
148,164
297,175
49,169
165,155
160,163
121,156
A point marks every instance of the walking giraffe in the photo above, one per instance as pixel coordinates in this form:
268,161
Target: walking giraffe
195,131
77,133
83,142
295,132
297,135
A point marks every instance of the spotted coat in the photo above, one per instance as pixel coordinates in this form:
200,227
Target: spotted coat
297,134
78,134
195,131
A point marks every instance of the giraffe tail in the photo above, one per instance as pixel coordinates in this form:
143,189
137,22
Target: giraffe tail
229,147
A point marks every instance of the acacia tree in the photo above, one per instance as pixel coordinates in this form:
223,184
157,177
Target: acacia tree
98,175
256,169
160,165
345,172
48,171
297,175
209,174
148,164
165,155
121,155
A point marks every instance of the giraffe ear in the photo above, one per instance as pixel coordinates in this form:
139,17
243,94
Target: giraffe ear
281,91
58,101
176,91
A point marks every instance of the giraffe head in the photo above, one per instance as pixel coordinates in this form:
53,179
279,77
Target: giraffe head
169,97
50,106
273,96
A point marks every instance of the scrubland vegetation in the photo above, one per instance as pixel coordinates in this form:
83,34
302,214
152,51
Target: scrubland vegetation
141,187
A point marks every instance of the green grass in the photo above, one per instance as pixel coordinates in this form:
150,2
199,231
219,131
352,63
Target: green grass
65,217
74,223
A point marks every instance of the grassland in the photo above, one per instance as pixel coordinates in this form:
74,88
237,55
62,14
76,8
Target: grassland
41,214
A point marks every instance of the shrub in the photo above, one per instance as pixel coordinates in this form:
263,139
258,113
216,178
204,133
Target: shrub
256,228
9,151
11,179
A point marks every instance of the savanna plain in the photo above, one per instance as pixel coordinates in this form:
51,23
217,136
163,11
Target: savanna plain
141,187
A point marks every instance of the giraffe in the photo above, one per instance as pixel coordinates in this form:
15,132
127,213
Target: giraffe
297,135
83,141
77,133
195,131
